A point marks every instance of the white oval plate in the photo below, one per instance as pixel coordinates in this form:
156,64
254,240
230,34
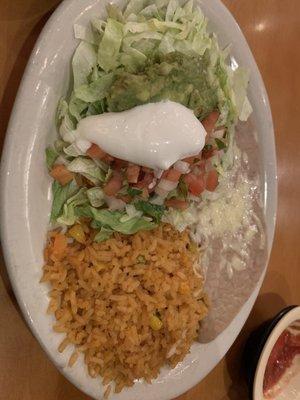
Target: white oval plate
25,191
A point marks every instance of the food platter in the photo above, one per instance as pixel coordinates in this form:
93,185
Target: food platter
26,194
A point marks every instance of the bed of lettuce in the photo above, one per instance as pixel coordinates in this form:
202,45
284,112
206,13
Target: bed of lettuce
150,51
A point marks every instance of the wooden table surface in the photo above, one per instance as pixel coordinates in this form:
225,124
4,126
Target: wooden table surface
272,28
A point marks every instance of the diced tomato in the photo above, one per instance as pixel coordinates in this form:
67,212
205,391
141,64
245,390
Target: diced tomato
119,164
176,203
132,173
60,173
211,180
113,185
173,175
125,198
95,152
208,153
210,121
146,169
145,182
193,159
198,168
108,159
196,184
145,193
164,174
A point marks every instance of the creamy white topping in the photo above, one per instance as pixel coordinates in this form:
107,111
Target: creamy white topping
154,135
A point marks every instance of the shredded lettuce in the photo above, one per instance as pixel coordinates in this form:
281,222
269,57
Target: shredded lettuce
69,216
154,211
180,219
60,195
110,45
103,234
96,90
51,156
111,220
87,168
96,196
84,60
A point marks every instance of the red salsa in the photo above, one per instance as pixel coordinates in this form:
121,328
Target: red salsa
281,358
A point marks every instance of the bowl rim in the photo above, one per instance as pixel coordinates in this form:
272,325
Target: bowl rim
275,329
5,182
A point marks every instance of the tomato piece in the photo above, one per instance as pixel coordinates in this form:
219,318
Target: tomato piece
61,174
145,193
146,169
126,198
198,168
95,152
108,159
193,159
196,184
132,173
119,164
211,180
164,174
145,182
113,185
173,175
208,153
176,203
210,121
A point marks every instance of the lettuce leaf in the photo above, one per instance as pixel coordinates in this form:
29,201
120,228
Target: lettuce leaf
69,216
111,220
153,210
96,196
60,195
87,168
84,60
96,90
103,234
51,156
110,45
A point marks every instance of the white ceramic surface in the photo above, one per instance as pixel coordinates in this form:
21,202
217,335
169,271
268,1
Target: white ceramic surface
25,191
291,389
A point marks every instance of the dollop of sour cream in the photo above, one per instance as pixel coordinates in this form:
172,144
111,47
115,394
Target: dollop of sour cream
154,135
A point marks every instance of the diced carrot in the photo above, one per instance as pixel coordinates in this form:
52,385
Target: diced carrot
132,173
59,245
113,185
60,173
176,203
173,175
95,152
210,121
211,180
196,184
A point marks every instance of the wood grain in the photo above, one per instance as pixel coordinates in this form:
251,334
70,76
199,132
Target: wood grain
272,28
